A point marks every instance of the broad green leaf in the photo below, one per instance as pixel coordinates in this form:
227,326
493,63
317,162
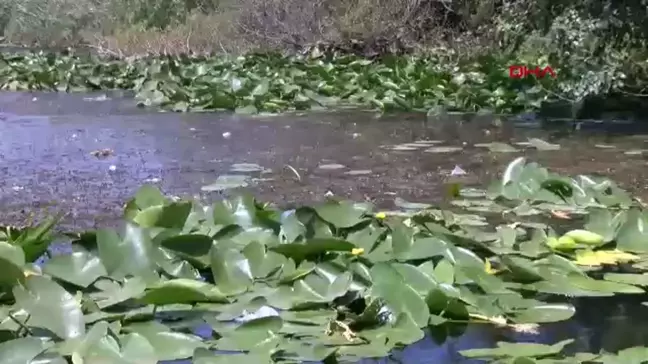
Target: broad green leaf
398,295
544,313
342,214
182,291
505,349
80,268
50,307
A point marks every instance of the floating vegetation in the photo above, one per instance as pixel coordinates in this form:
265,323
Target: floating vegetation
226,182
273,83
332,166
442,149
332,282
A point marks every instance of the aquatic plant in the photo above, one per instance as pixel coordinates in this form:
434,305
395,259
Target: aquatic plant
276,83
332,282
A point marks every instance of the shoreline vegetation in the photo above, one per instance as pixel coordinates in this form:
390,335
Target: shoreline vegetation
332,283
277,55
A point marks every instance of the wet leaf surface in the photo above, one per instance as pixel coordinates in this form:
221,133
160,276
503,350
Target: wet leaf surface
332,280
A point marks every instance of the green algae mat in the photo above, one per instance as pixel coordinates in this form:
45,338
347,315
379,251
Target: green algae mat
337,282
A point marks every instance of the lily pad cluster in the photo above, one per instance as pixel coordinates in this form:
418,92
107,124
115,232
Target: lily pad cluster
334,282
274,83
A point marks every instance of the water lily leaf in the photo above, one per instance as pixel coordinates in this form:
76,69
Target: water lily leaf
444,272
505,349
331,166
22,350
402,238
182,291
80,268
398,295
291,227
12,260
203,356
133,254
633,233
50,307
231,270
193,245
601,257
112,293
544,314
172,215
240,210
148,196
226,182
253,335
543,145
299,251
627,278
602,286
168,345
496,147
399,202
135,348
246,167
342,214
442,149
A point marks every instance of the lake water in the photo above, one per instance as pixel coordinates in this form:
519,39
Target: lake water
47,162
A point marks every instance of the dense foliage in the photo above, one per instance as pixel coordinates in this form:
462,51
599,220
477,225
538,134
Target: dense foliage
335,282
598,47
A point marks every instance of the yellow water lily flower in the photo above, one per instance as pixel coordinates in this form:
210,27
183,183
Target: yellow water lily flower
600,257
357,251
489,268
381,215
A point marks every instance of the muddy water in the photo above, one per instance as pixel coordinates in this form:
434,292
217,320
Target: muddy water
46,141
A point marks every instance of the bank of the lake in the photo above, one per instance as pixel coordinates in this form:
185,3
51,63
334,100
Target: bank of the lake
274,83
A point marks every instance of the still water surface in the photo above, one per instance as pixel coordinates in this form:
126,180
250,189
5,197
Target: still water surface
46,163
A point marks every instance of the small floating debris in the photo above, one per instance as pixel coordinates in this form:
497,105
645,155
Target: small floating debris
540,144
402,148
328,193
102,153
226,182
427,142
443,149
331,166
458,171
227,135
246,167
263,311
192,129
497,147
359,172
635,151
152,180
112,168
17,188
399,202
605,146
355,135
98,98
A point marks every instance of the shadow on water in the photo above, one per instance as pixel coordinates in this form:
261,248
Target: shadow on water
47,163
